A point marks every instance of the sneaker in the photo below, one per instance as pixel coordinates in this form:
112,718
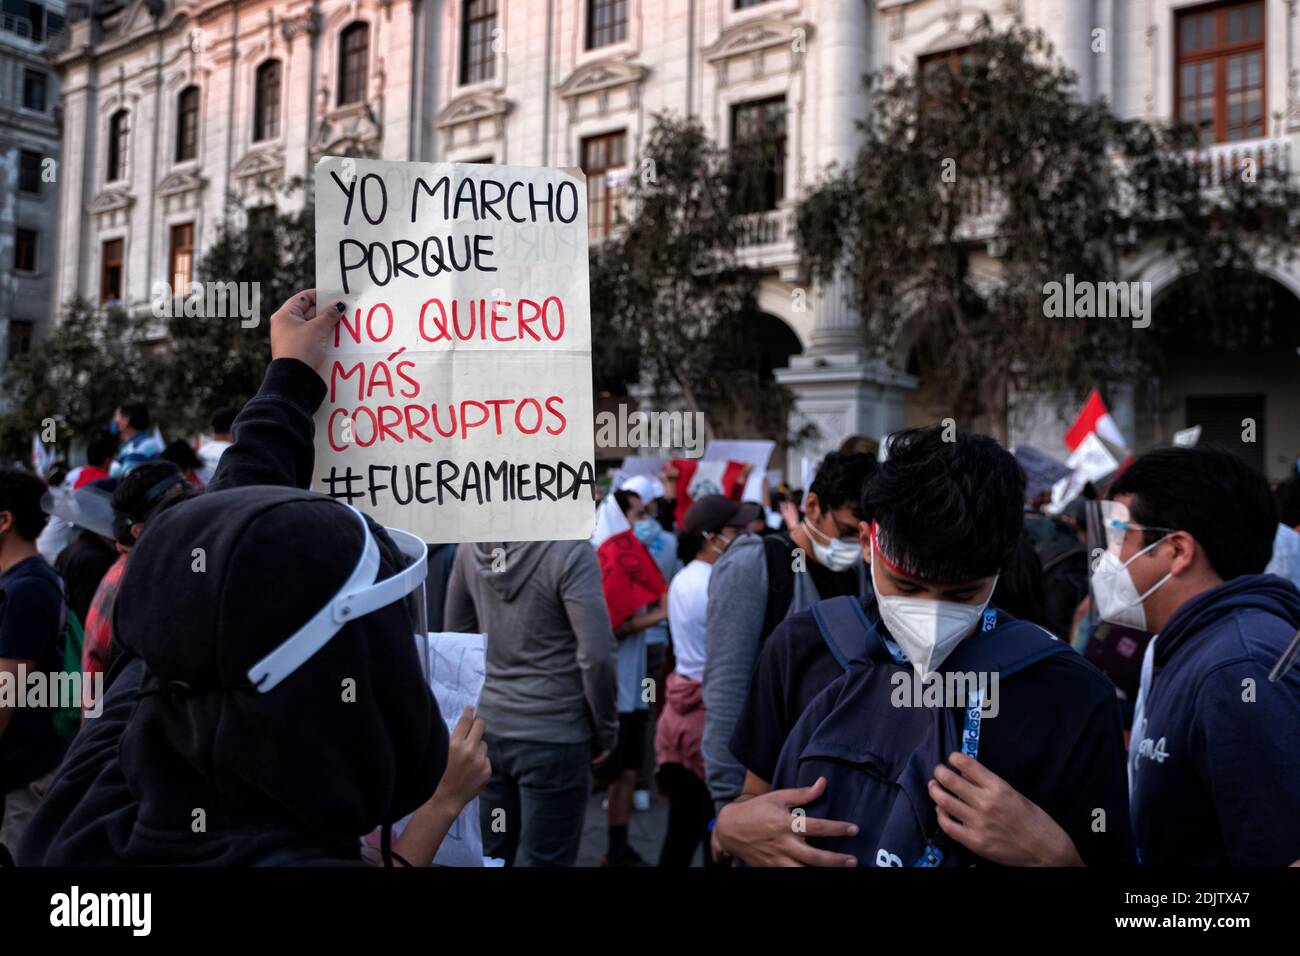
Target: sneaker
641,800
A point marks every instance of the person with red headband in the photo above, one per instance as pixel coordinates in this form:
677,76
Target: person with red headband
867,773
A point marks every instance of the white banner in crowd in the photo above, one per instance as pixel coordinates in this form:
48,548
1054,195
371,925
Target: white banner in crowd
754,452
460,404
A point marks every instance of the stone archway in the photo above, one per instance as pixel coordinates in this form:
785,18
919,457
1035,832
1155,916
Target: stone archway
1243,397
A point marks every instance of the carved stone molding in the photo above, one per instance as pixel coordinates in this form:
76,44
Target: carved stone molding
352,128
180,182
111,200
259,164
755,35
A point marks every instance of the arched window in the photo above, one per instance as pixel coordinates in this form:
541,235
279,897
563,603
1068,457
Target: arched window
266,103
187,124
354,63
118,134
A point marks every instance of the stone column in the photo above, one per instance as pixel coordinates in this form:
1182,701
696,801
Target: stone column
838,386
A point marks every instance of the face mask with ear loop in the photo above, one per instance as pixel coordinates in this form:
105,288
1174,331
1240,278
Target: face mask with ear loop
1113,589
834,553
715,536
926,630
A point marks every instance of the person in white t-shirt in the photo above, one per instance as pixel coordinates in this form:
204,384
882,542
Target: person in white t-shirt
210,452
709,526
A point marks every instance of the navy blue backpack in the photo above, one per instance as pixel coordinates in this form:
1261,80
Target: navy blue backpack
877,757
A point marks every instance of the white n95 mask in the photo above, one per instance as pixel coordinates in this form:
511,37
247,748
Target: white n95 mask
1118,601
1113,589
927,631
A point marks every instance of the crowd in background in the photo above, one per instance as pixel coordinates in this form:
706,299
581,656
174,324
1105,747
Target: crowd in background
753,680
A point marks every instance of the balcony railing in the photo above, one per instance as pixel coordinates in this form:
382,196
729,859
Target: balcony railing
768,228
22,27
1225,160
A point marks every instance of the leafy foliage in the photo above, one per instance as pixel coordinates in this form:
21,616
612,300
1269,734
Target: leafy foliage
184,367
216,361
978,183
670,299
90,363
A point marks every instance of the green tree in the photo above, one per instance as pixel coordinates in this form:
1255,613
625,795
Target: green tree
979,182
91,361
670,299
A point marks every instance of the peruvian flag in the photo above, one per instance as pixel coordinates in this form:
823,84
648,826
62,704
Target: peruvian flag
698,477
1094,417
629,576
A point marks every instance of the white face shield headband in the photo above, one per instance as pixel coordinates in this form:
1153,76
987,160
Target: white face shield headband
361,594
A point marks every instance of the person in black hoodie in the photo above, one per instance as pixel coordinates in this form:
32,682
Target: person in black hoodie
190,764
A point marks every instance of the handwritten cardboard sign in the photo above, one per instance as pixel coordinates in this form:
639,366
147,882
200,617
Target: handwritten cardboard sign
459,402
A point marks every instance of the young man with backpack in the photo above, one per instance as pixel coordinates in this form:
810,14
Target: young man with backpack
761,580
31,615
939,520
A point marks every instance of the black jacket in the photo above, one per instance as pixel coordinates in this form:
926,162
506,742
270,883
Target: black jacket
187,765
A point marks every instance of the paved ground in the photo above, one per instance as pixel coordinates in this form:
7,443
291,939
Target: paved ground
645,831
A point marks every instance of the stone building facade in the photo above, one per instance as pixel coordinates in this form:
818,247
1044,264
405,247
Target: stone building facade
174,108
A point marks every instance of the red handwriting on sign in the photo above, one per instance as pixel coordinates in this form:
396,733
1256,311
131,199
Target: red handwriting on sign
363,426
492,320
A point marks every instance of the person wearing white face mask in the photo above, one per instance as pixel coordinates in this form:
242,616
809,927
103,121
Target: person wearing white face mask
941,518
1213,753
760,582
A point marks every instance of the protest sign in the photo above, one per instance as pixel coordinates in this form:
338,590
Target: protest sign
459,402
646,465
756,452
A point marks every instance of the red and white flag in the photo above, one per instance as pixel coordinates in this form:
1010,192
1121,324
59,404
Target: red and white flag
699,477
629,575
1094,417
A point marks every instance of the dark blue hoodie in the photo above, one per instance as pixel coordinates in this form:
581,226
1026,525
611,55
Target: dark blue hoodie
1217,778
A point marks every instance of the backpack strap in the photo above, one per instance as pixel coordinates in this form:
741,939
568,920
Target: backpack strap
780,580
845,629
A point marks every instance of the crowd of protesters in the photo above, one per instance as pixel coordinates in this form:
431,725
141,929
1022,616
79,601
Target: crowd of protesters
1122,690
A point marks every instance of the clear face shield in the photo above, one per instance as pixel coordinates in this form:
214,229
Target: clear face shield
1115,595
361,594
1109,523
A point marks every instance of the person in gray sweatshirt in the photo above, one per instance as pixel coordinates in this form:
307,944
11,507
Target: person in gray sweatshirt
758,583
550,696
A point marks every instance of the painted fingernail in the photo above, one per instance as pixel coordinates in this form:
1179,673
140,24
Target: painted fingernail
340,307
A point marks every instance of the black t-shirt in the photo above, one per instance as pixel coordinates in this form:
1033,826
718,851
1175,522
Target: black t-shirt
31,600
1057,738
83,565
